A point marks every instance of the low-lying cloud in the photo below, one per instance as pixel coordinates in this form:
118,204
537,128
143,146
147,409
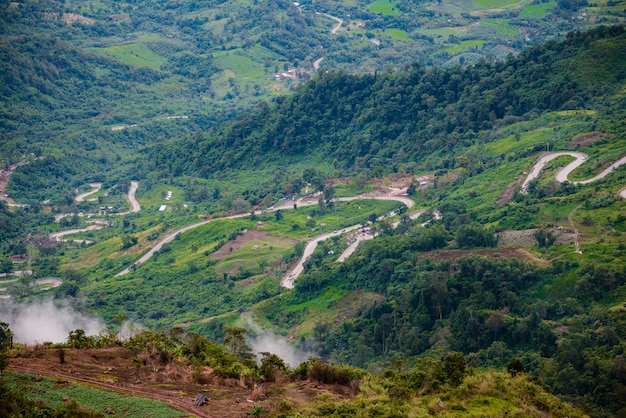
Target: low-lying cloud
46,321
262,340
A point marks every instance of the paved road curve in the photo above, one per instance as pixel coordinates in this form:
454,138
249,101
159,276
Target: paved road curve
562,174
96,187
293,274
286,205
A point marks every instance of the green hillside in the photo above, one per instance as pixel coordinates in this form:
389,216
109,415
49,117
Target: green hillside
466,260
96,81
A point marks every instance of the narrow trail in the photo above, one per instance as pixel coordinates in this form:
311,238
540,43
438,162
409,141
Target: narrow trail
571,222
338,21
135,207
563,174
175,400
317,62
56,236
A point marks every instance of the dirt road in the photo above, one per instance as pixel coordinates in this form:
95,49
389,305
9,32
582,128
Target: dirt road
285,205
563,174
135,207
96,187
56,236
293,274
175,400
338,21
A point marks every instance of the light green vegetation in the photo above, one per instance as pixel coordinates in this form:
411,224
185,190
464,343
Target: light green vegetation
298,318
322,302
464,45
243,272
397,34
254,255
346,214
491,4
537,11
244,68
443,32
136,54
553,129
502,25
386,7
56,393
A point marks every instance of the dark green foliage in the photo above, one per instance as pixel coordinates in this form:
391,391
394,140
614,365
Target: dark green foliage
453,368
544,238
328,373
128,241
472,236
271,366
6,342
78,339
332,115
235,342
6,337
515,366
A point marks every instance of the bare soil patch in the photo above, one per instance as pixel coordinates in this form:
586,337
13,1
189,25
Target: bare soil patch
116,369
507,193
584,140
526,237
250,235
498,253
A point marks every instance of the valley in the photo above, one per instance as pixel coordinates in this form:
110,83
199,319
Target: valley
313,209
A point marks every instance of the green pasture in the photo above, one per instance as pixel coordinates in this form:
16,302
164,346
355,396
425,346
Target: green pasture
488,186
321,302
465,45
244,68
386,7
215,26
537,11
54,393
90,256
552,128
254,254
492,4
397,34
502,26
344,215
136,54
443,32
284,312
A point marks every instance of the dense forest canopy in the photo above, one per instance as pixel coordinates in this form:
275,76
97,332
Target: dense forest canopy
378,123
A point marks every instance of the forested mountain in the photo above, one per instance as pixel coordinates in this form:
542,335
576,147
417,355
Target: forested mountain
183,98
381,122
96,82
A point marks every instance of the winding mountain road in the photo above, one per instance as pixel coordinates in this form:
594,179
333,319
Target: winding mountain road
56,236
291,276
170,237
563,174
338,21
96,187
